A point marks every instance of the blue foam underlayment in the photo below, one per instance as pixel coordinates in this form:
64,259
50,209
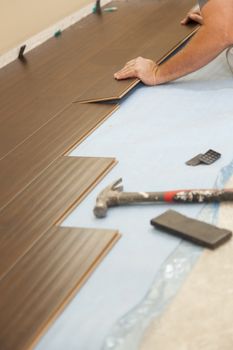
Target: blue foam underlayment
153,133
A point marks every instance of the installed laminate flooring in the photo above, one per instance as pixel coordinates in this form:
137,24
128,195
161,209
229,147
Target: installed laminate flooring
82,62
27,92
35,109
36,290
45,202
57,137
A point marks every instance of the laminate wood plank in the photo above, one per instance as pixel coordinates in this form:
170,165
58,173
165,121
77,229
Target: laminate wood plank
82,60
159,34
45,280
59,64
64,53
61,55
57,137
25,116
45,202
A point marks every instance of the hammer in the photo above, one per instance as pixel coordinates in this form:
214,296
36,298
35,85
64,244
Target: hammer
113,195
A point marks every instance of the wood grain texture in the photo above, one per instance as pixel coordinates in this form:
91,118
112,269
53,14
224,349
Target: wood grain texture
56,72
46,278
63,69
58,136
156,36
42,204
32,94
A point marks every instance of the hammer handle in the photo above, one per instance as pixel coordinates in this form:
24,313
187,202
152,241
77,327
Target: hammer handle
181,196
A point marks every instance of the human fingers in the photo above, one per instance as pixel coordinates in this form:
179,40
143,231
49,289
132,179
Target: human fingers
128,65
126,72
196,17
193,16
131,62
185,20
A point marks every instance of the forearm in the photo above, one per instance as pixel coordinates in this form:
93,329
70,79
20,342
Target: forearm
211,39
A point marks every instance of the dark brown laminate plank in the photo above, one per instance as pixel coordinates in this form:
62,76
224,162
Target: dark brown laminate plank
27,98
28,114
44,281
43,203
58,136
158,35
62,55
83,60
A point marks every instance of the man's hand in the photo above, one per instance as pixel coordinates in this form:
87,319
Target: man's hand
140,68
193,15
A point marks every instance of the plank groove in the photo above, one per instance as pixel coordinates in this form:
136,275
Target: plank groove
58,136
44,281
51,197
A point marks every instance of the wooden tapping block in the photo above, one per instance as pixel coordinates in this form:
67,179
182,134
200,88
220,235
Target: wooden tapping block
48,276
19,168
193,230
45,202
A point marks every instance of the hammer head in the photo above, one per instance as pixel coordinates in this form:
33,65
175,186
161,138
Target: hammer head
107,198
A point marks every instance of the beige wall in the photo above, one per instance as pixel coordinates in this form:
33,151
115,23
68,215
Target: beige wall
21,19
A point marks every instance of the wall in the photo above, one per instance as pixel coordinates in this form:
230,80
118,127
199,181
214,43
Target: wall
21,19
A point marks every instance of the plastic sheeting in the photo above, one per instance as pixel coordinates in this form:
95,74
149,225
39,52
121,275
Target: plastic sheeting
200,317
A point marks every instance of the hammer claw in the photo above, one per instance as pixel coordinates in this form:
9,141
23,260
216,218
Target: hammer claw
118,188
115,185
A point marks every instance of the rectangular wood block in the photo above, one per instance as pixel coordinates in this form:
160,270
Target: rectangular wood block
58,136
49,198
193,230
44,281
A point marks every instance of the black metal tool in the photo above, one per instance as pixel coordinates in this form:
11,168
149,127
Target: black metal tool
207,158
21,56
196,231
